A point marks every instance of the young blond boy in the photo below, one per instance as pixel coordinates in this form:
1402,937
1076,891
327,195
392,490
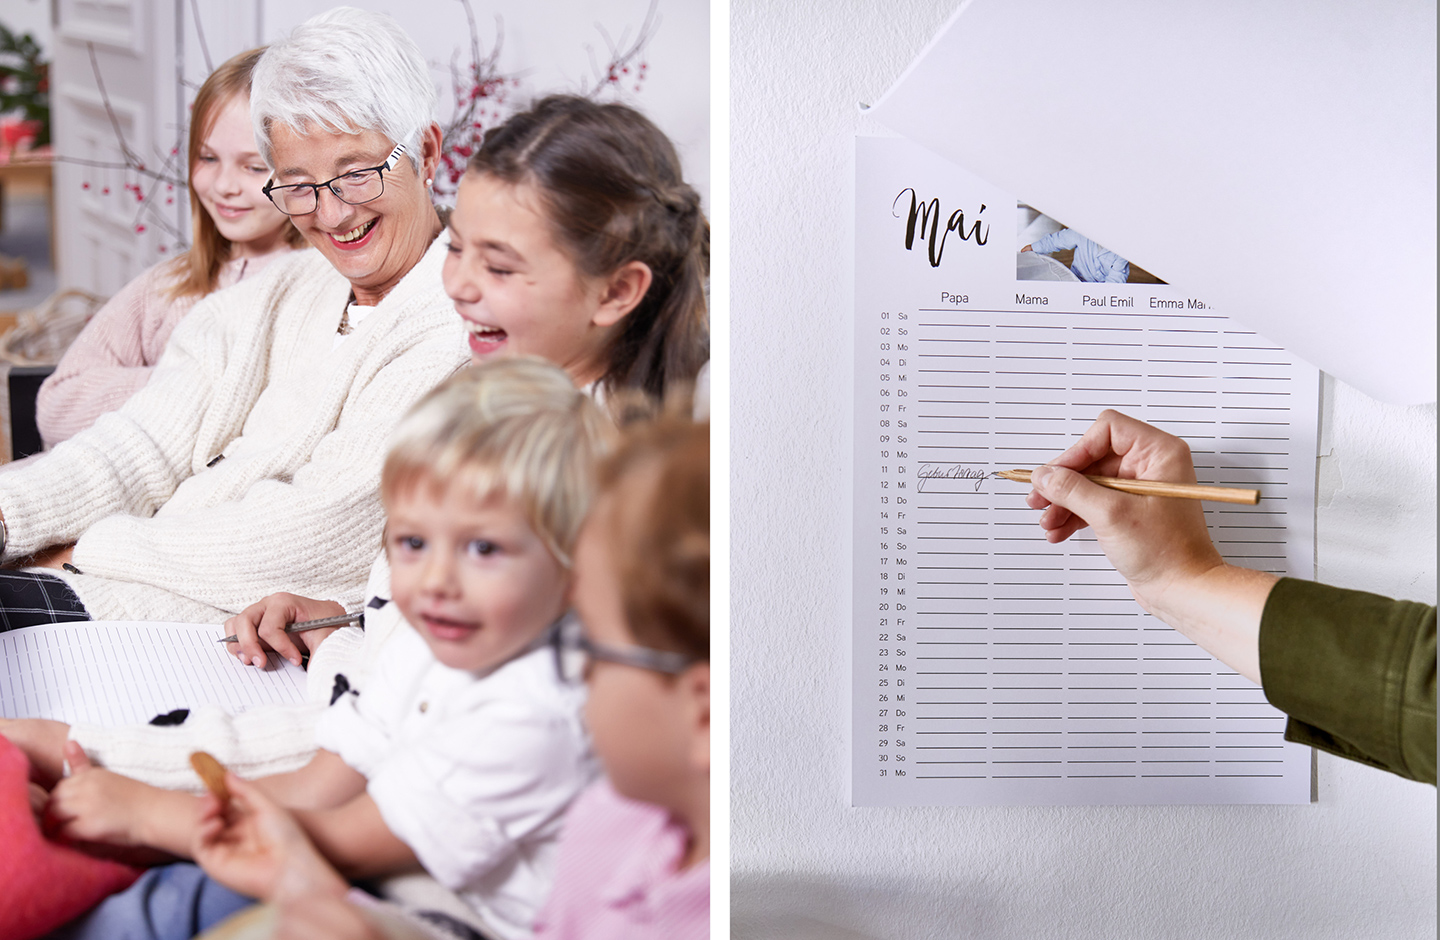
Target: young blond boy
463,748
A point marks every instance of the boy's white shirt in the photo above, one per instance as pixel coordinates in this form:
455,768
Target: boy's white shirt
473,774
505,893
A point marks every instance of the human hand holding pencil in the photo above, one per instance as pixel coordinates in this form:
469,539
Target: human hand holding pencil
267,625
1159,545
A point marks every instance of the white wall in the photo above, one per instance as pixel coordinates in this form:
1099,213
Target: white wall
29,16
1359,863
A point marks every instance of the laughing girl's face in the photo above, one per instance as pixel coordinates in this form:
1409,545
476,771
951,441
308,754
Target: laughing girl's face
518,292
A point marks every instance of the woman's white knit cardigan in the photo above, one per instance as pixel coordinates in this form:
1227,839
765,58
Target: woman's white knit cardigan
250,374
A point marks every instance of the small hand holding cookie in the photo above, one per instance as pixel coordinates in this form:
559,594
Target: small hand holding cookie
252,845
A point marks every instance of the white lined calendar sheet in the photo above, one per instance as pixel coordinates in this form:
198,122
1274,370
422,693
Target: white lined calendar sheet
989,666
127,672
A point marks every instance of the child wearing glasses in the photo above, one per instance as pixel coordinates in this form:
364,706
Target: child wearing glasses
634,856
464,746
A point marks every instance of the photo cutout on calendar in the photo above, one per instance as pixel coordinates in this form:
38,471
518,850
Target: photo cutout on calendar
1047,250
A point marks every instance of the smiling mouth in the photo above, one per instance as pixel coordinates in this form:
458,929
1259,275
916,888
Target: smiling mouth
357,233
444,629
487,335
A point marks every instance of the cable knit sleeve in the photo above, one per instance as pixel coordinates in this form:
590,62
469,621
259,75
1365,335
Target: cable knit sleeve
110,360
275,531
248,376
131,460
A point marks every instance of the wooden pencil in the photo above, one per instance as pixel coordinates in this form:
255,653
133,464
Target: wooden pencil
1215,494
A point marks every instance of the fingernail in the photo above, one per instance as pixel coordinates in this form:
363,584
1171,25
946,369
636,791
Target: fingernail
1040,475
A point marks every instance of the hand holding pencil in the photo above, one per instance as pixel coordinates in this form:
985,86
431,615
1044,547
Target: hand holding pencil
1159,545
262,627
1151,542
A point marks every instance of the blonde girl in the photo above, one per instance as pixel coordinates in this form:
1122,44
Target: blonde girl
237,232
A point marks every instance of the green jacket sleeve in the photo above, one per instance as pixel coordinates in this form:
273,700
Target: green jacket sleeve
1355,672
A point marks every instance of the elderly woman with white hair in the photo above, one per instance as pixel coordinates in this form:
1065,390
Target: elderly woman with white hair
250,463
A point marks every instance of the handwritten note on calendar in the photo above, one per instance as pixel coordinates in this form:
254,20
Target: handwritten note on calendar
991,667
127,672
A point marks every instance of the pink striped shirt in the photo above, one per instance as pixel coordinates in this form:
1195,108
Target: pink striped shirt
113,356
616,877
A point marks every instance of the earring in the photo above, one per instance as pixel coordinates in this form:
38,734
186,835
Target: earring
429,182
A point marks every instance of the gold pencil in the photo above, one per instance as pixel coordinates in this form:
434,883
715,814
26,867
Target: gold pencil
1215,494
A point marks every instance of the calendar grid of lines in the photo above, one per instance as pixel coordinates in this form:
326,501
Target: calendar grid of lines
1028,669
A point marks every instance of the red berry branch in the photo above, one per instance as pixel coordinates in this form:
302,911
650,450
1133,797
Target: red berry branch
482,91
480,101
137,179
626,68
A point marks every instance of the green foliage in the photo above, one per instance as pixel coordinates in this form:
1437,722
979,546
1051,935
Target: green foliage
25,80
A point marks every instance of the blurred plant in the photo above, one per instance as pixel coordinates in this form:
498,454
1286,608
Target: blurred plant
482,91
626,63
480,101
151,189
25,81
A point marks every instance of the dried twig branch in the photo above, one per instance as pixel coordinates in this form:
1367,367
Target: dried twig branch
200,32
476,86
623,58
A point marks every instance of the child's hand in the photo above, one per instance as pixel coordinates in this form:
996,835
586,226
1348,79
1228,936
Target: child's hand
253,846
261,627
39,797
43,741
97,805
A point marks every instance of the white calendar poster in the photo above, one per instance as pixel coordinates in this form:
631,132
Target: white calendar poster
989,666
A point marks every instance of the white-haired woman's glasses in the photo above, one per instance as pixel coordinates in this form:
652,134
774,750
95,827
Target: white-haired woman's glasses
356,188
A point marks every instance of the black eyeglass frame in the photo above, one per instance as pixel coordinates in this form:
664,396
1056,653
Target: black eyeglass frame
390,163
567,636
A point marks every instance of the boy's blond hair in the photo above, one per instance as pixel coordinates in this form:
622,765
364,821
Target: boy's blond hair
515,429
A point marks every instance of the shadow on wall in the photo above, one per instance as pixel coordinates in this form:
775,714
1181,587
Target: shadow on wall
781,908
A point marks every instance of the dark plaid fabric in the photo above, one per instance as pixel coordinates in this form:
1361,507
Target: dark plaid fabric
28,599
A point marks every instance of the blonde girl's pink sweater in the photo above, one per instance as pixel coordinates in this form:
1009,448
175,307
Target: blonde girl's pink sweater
113,356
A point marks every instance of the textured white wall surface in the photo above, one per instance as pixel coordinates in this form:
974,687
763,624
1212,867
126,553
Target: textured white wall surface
1359,863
